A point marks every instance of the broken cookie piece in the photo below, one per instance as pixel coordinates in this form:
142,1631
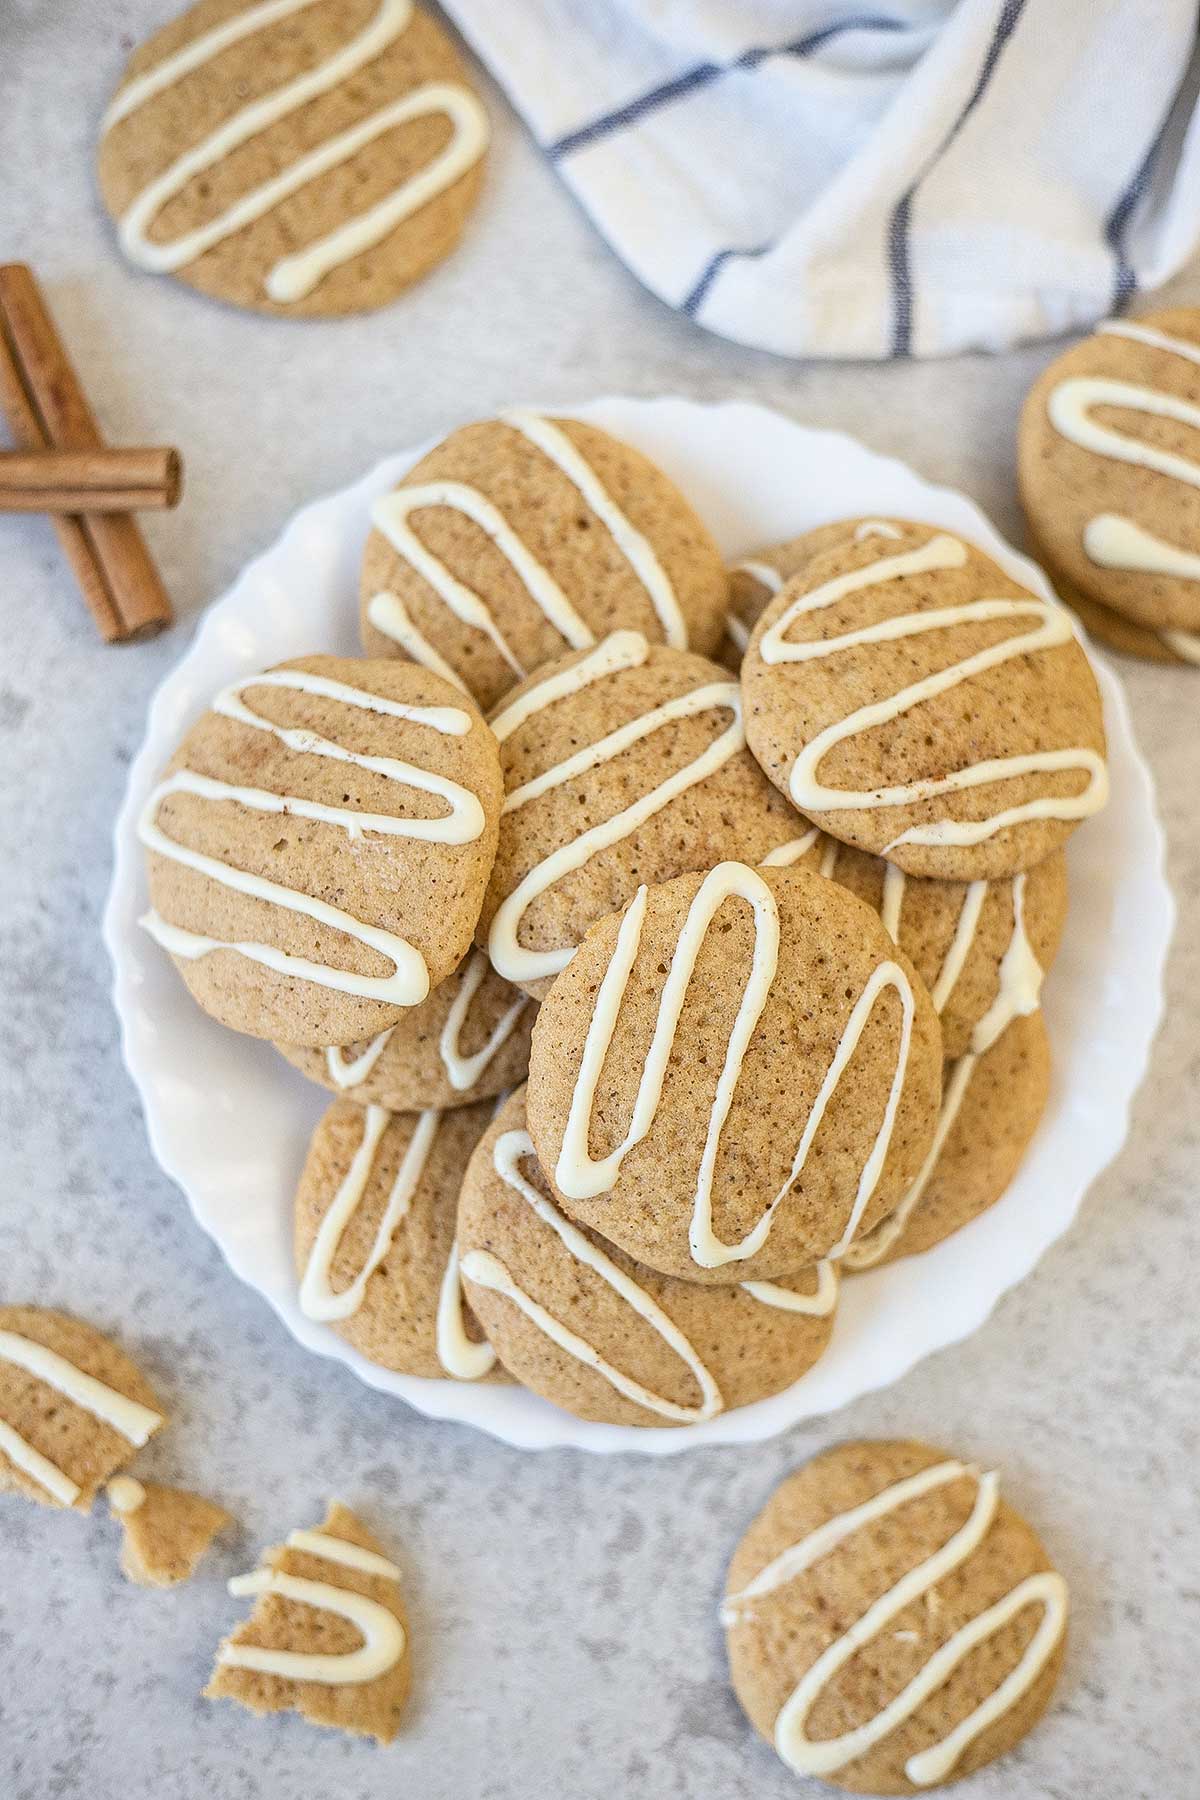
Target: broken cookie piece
166,1530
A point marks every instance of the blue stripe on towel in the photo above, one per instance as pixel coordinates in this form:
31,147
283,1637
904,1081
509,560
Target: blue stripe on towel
899,226
702,75
692,302
1117,223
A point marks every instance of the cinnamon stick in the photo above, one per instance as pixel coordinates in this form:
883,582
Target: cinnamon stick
47,409
75,481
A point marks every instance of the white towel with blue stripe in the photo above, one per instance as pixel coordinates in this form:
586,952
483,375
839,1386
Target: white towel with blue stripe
907,178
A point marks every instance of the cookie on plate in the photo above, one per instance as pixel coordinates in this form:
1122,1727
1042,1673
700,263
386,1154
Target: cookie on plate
319,847
73,1408
982,948
522,537
328,1637
582,1324
892,1623
735,1076
293,158
374,1236
166,1530
917,702
624,764
754,582
468,1041
991,1107
1110,477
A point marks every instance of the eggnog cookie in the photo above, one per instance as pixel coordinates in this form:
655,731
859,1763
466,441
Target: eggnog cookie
892,1623
736,1076
73,1408
582,1324
1119,633
319,846
166,1530
468,1041
374,1236
624,764
328,1636
918,703
293,156
991,1106
1109,470
522,537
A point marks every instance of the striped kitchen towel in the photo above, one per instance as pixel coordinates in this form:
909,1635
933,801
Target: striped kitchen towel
902,179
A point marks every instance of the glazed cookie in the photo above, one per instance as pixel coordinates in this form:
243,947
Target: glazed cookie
918,703
1110,476
991,1106
522,537
583,1325
166,1530
73,1408
293,156
624,764
892,1623
1119,633
468,1041
328,1635
374,1236
736,1076
754,582
319,847
982,948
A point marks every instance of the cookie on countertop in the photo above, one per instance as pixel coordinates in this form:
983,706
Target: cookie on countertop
582,1324
519,538
735,1076
1110,476
623,765
328,1636
991,1107
866,1565
73,1407
294,158
166,1530
917,702
1182,648
319,846
374,1236
468,1041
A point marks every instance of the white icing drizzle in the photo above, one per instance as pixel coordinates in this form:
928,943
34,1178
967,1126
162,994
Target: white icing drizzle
1053,627
784,855
382,1633
388,613
580,1176
408,985
318,1300
966,926
1045,1589
875,1244
125,1495
135,1422
817,1305
621,650
739,634
1185,644
390,515
763,572
875,528
345,1074
1019,990
459,1354
462,1071
297,275
487,1271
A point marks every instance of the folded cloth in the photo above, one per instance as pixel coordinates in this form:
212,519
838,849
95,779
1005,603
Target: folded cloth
870,179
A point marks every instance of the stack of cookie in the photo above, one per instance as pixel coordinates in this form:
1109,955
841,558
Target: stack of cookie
768,939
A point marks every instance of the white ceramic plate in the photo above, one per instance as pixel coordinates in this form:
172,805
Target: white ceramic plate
230,1121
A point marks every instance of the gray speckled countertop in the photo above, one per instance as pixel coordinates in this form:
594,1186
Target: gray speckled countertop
563,1607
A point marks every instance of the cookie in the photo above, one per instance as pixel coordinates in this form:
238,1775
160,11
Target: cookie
582,1324
328,1637
1109,472
991,1106
754,582
916,702
892,1622
735,1076
166,1530
468,1041
519,538
309,157
73,1408
374,1236
982,948
624,764
1119,633
319,847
